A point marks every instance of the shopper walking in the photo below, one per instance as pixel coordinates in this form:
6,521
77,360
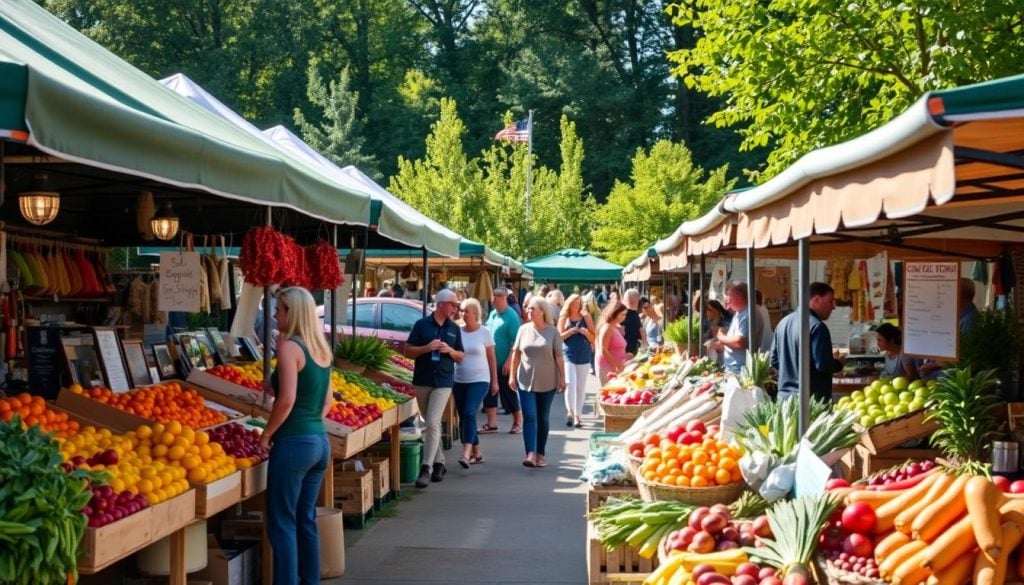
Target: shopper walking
436,344
503,323
633,326
475,376
651,318
539,372
555,300
576,328
295,436
610,346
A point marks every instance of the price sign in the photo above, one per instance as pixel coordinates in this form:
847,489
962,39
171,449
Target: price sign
179,282
931,309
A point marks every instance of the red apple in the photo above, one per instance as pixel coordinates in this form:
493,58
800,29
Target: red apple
1017,487
859,517
1001,482
696,425
857,545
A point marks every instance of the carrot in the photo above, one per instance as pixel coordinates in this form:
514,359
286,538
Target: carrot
940,513
989,571
1013,505
887,512
958,573
898,557
954,542
910,571
983,497
889,544
904,518
872,498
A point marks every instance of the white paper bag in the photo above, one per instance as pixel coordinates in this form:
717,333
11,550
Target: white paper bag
738,401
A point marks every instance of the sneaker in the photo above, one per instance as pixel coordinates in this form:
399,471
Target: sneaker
569,421
439,471
423,480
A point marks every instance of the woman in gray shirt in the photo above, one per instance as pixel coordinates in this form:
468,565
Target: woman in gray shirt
538,371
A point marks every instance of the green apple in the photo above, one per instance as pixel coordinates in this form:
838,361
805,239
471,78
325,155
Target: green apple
877,384
867,421
915,405
871,393
881,419
875,410
900,383
856,396
900,410
916,384
844,402
890,398
905,397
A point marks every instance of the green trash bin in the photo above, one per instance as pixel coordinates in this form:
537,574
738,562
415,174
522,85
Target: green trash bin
411,454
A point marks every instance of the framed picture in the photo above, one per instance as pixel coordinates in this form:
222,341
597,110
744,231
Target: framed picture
82,362
164,360
207,349
252,347
138,369
108,347
223,355
190,350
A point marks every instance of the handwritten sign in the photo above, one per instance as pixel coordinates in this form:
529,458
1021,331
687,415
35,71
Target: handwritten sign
179,282
931,309
110,355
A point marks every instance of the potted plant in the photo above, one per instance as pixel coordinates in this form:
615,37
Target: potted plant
993,343
676,333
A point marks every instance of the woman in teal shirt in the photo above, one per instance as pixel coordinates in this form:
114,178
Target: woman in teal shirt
299,452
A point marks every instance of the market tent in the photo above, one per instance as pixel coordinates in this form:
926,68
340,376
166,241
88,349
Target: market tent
392,217
571,265
83,105
641,268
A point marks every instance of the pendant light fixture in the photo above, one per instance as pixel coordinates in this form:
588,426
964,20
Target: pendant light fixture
165,222
40,204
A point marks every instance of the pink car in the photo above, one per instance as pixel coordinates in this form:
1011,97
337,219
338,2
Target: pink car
388,318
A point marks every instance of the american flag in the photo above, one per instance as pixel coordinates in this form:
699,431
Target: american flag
515,132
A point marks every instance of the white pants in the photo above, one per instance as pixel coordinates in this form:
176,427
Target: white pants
432,403
576,387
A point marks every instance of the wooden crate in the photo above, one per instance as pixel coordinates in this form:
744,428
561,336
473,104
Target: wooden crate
381,467
868,462
254,479
620,566
219,495
407,409
353,490
116,419
596,495
389,418
617,424
892,433
105,545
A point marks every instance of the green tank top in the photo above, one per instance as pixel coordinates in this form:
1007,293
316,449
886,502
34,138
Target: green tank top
310,393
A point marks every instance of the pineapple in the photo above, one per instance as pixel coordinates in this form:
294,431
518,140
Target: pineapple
965,406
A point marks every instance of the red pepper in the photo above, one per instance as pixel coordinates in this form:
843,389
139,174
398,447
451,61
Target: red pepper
707,386
900,485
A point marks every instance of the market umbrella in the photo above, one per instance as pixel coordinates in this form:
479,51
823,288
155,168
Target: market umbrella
482,287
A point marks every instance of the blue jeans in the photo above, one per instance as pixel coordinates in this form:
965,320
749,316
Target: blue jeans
536,412
468,396
294,473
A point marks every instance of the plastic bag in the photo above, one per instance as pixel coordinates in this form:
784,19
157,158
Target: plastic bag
736,404
779,483
755,468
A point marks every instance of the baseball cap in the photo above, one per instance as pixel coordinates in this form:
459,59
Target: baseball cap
445,295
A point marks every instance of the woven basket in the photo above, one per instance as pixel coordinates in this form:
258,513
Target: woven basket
826,573
634,465
626,409
706,496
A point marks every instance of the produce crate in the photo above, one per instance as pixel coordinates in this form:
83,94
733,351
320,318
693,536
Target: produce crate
408,408
897,431
374,430
254,479
381,467
597,494
105,545
618,424
219,495
119,420
174,514
389,418
238,396
345,441
619,566
353,490
867,462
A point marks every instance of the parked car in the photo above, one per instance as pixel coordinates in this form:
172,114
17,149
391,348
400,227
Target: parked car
388,318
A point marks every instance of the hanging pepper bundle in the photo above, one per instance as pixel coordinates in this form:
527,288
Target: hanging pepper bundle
267,257
299,274
324,268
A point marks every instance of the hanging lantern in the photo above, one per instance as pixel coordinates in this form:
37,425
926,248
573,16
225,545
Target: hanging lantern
165,222
40,204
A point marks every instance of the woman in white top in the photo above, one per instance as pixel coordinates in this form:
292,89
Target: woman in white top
577,329
474,376
555,301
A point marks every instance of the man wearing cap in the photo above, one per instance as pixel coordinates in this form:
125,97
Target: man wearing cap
435,343
503,323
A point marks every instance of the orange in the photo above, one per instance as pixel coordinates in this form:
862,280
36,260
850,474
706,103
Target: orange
723,477
197,475
175,453
143,432
682,481
174,427
700,471
160,451
736,474
201,438
699,457
688,468
145,486
698,482
727,463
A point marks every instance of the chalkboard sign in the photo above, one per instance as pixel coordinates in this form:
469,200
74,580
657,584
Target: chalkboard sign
135,355
45,363
113,362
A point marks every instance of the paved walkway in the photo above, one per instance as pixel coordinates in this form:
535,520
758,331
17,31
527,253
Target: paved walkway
495,523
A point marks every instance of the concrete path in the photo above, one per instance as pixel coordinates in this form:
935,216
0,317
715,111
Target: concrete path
495,523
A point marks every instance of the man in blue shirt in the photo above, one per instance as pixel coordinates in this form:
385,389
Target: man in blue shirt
734,343
785,357
503,323
435,342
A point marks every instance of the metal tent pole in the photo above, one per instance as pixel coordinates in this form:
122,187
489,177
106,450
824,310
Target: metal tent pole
334,293
353,293
752,315
266,322
803,278
426,281
703,306
689,304
664,303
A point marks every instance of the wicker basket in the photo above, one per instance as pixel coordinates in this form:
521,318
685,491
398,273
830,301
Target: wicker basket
825,573
706,496
626,409
634,465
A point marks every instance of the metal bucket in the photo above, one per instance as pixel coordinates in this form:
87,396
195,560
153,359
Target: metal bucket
1005,456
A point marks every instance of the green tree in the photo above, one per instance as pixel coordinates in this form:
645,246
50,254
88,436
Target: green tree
800,75
339,135
666,190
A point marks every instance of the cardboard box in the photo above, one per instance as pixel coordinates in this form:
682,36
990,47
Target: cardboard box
231,563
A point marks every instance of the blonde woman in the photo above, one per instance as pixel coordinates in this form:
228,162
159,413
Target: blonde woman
555,300
538,370
576,328
299,452
475,375
610,346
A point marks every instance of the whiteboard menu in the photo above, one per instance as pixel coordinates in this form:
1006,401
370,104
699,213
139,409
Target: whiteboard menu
931,310
110,356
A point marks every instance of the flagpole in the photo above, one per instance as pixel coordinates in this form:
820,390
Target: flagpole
529,162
